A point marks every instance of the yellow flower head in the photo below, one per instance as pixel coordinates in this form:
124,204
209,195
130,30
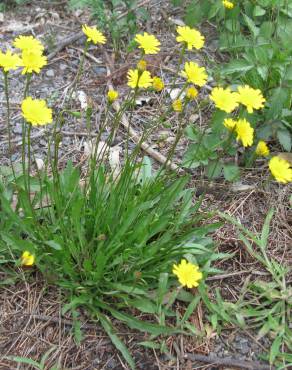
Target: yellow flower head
9,61
229,123
177,105
224,99
195,74
142,65
112,95
262,149
281,170
157,84
148,43
251,98
27,259
190,36
36,112
244,132
191,93
187,273
28,43
33,61
136,79
93,34
228,4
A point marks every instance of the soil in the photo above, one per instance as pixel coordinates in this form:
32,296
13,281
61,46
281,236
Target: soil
31,321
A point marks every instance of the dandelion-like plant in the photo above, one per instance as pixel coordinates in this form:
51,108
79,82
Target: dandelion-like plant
36,112
244,132
148,43
137,79
280,169
187,273
190,37
195,74
224,99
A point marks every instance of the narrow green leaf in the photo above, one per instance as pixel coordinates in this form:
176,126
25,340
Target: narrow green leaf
109,329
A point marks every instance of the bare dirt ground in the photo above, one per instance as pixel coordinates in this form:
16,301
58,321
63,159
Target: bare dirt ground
31,322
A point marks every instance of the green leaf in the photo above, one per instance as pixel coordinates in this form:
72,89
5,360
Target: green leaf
284,138
231,172
144,305
109,329
149,344
277,102
275,349
236,66
251,25
23,360
190,309
258,11
54,245
214,169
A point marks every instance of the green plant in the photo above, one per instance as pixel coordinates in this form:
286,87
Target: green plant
108,238
262,305
255,36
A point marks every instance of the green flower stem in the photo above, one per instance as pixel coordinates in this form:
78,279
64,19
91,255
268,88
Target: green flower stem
27,84
133,100
23,156
79,72
29,158
181,56
6,90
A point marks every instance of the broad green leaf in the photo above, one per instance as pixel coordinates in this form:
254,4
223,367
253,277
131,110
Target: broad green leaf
251,25
258,11
284,137
231,172
236,66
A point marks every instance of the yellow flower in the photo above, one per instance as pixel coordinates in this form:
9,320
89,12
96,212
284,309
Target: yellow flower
251,98
33,61
27,259
229,123
224,99
28,43
157,84
36,112
142,65
281,169
191,93
190,36
244,132
228,4
112,95
148,43
136,79
188,274
195,74
93,34
262,149
9,61
177,105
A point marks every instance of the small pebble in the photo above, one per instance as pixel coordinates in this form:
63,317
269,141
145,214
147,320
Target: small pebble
50,73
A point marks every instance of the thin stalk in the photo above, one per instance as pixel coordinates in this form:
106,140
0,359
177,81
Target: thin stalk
79,72
6,89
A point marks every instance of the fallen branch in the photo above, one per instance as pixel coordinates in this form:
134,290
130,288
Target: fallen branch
228,362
